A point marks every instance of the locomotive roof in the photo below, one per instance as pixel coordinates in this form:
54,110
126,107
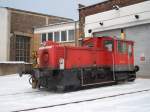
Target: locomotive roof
113,38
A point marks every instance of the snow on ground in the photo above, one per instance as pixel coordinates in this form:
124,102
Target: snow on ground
139,102
17,94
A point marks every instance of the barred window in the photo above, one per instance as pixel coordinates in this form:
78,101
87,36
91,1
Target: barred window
22,48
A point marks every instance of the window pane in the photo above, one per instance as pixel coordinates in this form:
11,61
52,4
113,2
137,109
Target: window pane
119,46
122,47
56,36
50,36
71,34
63,36
108,45
43,37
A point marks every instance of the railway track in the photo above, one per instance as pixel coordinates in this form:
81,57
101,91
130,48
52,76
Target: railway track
81,101
19,93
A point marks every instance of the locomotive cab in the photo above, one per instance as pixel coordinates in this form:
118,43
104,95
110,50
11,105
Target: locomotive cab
105,43
119,51
117,54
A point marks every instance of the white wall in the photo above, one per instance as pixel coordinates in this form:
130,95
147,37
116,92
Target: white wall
4,34
113,19
56,27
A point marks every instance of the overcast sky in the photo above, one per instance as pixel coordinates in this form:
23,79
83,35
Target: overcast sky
63,8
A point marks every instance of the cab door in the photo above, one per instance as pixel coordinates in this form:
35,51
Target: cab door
121,56
109,59
108,45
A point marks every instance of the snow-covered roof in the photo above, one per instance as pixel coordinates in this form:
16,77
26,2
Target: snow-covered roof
13,62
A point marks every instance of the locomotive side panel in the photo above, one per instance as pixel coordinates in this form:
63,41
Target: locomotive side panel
78,57
43,54
87,57
58,54
49,57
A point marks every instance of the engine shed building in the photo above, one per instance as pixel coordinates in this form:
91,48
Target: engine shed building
16,32
65,33
115,17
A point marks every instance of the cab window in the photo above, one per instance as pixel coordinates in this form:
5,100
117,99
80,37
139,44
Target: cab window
108,45
130,50
122,47
89,44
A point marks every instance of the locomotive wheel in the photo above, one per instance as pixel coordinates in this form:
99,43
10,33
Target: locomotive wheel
131,78
66,88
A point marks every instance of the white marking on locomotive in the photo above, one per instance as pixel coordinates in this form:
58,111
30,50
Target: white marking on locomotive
46,47
61,63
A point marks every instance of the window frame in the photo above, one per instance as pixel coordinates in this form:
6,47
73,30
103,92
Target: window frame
58,36
112,45
52,38
73,35
68,32
42,37
123,48
22,49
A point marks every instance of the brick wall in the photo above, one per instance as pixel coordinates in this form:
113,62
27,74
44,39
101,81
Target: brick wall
101,7
22,23
53,20
36,42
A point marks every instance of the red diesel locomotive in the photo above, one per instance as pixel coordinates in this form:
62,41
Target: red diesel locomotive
99,60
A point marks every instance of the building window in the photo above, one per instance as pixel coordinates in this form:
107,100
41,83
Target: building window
63,36
50,36
71,35
56,36
22,48
43,37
